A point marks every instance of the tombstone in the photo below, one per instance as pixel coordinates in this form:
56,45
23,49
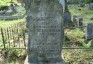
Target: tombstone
67,17
8,14
2,12
79,1
89,30
45,31
14,8
78,21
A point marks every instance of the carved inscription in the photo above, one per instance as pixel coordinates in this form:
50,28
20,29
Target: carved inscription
47,30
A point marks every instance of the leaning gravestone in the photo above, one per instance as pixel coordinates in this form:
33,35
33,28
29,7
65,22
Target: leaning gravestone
45,27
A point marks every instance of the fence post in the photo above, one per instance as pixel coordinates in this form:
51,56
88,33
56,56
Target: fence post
3,37
8,37
13,36
24,37
8,33
18,31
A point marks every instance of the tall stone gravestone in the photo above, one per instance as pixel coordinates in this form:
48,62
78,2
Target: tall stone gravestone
45,27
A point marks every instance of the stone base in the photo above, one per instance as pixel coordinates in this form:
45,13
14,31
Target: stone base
26,62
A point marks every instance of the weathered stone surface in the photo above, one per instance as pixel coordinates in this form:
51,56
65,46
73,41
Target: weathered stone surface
45,27
67,17
89,30
15,8
78,21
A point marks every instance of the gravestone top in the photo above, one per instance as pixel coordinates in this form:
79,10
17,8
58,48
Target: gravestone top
45,27
77,18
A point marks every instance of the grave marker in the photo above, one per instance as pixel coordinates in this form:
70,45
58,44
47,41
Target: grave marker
89,30
78,21
45,27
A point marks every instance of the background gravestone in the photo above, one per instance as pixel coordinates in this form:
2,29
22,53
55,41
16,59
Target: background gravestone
45,27
67,15
78,21
89,30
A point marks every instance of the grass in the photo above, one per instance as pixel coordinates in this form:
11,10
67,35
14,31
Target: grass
14,56
78,56
7,23
7,2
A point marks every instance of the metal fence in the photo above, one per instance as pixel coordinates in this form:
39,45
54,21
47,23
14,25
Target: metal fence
13,36
13,42
16,36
